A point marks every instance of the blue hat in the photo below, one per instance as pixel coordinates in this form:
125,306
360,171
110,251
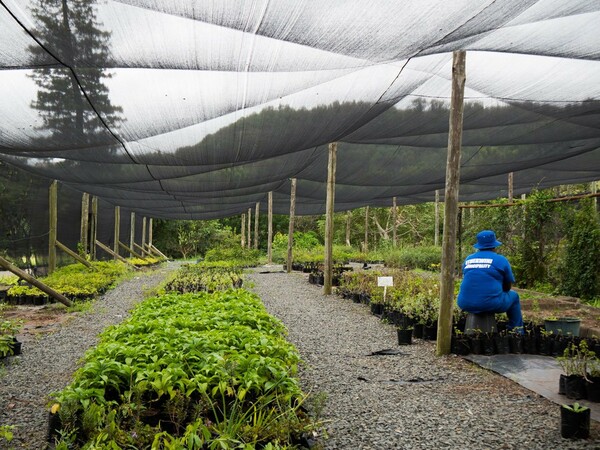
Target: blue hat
487,239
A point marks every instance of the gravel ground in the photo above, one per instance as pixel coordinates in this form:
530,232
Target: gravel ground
47,364
413,400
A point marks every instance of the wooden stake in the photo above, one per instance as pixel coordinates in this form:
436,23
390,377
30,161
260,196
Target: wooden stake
94,232
348,223
329,208
394,222
132,233
117,230
37,283
436,231
243,230
249,228
366,247
143,235
130,250
108,250
270,229
74,255
85,215
150,231
451,203
53,219
291,225
256,225
510,187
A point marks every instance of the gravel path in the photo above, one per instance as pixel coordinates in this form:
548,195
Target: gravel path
46,365
409,401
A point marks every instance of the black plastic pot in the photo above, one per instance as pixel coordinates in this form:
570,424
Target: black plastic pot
515,343
562,384
574,425
405,336
460,345
592,389
430,332
501,344
377,309
418,331
476,345
575,387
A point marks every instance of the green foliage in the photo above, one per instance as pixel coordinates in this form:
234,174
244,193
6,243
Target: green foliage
581,266
426,258
187,371
235,255
77,281
205,276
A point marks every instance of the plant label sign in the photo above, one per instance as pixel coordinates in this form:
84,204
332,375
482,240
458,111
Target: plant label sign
385,281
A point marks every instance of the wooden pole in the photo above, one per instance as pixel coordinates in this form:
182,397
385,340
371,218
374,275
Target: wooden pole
37,283
270,229
451,203
143,235
594,190
108,250
348,223
53,219
394,222
291,226
94,232
510,187
256,225
329,208
158,252
117,230
366,248
249,229
243,230
74,255
436,231
150,231
130,250
85,215
132,234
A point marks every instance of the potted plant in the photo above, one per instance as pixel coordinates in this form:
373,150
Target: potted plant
575,421
460,343
574,363
568,326
9,346
404,335
592,382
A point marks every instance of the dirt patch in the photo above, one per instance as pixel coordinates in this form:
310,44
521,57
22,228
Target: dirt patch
537,307
38,320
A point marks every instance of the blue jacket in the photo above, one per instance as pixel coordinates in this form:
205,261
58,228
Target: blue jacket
484,273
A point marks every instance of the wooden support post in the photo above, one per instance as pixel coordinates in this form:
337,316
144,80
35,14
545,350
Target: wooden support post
394,222
366,245
329,208
130,250
132,233
436,231
256,213
243,230
85,215
510,187
291,226
594,190
270,229
53,219
143,235
108,250
348,223
74,255
150,231
158,252
117,230
94,231
249,228
451,203
38,284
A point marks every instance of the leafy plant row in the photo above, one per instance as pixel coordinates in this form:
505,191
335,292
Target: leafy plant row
416,294
187,371
208,277
77,281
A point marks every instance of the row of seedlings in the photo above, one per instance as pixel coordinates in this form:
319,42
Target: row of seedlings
195,370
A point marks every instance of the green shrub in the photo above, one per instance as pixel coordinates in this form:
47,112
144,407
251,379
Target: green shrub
426,258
